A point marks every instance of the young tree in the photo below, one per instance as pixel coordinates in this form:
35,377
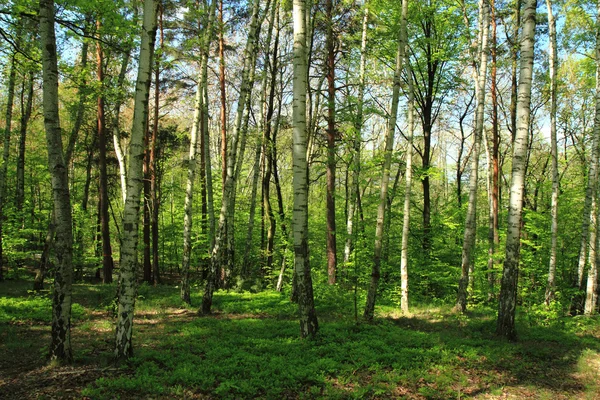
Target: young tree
195,134
6,147
553,62
60,348
308,317
591,297
354,190
407,195
107,260
479,61
129,232
331,134
508,291
385,176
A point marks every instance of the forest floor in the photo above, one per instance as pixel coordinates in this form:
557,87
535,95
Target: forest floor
250,348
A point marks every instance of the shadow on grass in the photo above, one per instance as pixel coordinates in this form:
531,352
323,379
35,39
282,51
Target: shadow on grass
250,348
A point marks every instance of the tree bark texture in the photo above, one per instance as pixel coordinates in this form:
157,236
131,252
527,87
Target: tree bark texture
508,290
129,232
60,348
308,318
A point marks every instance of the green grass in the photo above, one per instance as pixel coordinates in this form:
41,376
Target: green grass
250,348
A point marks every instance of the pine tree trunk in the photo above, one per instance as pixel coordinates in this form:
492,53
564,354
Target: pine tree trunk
553,63
153,163
222,256
494,233
308,317
60,348
129,233
25,116
331,134
389,146
479,76
508,290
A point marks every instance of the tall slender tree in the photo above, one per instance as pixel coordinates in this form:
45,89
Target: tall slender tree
553,63
331,136
479,61
129,232
107,259
591,297
508,290
407,195
60,348
385,176
196,132
308,317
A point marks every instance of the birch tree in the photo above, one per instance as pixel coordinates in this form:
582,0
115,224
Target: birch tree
479,76
357,140
60,348
591,297
195,134
129,232
407,196
385,176
304,289
508,290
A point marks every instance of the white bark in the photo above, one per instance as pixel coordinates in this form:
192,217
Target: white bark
193,153
357,141
479,76
308,317
131,214
508,290
407,196
385,176
60,348
592,190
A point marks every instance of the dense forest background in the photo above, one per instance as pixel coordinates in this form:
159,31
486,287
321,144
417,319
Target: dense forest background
439,152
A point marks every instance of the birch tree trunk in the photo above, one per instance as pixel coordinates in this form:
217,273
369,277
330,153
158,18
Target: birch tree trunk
116,125
304,290
129,238
357,141
592,192
60,348
508,290
479,76
553,61
407,196
389,146
194,141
